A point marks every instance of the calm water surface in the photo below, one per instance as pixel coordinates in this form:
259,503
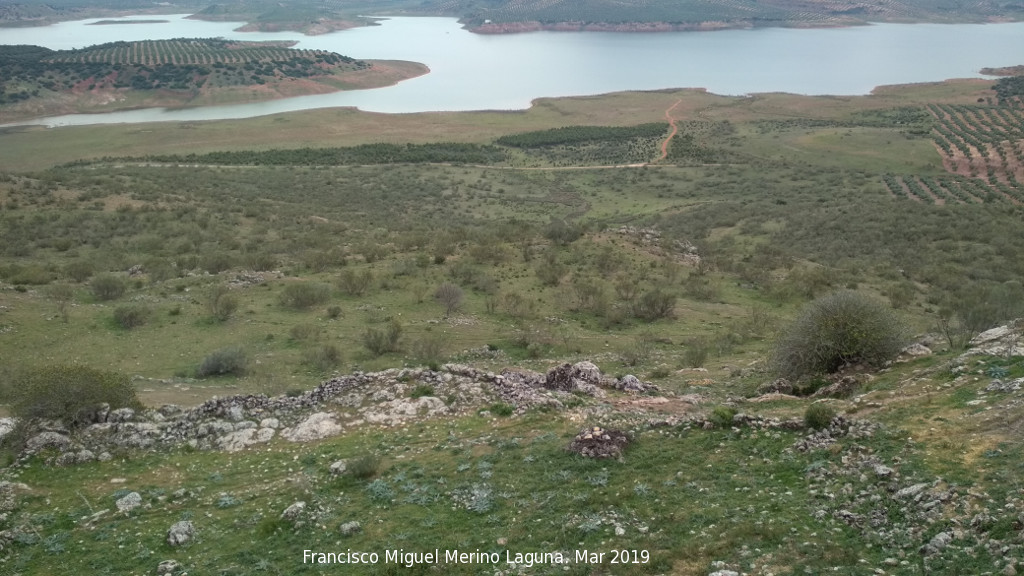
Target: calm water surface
506,72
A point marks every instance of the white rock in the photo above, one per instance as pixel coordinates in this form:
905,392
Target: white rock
180,533
317,426
293,512
129,502
242,439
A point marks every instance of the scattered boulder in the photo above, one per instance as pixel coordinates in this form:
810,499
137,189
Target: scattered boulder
241,439
181,533
937,543
293,512
630,383
129,502
350,528
1000,386
916,350
779,386
338,468
579,377
883,471
842,388
6,426
398,410
168,567
48,439
911,491
121,415
597,442
1006,340
316,427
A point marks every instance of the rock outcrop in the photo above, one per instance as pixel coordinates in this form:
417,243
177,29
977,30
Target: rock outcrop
235,423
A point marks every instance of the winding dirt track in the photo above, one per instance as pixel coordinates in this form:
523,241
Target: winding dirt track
672,123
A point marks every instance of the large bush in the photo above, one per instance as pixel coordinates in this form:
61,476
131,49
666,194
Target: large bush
108,287
303,295
231,360
70,393
835,330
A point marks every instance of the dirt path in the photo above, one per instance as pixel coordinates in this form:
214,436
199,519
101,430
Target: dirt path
675,129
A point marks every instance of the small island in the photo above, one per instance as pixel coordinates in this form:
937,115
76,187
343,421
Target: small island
37,81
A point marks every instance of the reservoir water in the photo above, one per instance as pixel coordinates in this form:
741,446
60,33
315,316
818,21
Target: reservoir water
506,72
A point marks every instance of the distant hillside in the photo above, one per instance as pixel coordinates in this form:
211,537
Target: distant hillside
515,15
498,16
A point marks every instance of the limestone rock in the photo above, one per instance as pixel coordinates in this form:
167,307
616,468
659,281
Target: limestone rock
6,426
181,533
168,567
911,491
883,471
47,439
350,528
338,468
630,383
400,409
317,426
580,377
121,415
241,439
778,386
293,512
916,350
842,388
129,502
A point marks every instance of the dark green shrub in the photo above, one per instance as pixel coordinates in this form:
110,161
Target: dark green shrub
429,348
363,467
230,360
502,409
839,329
31,274
216,262
304,295
131,316
722,416
70,393
221,303
818,416
107,287
654,305
696,352
304,333
324,358
353,283
79,270
385,340
422,390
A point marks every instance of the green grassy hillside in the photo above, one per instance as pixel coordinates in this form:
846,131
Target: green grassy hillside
201,266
